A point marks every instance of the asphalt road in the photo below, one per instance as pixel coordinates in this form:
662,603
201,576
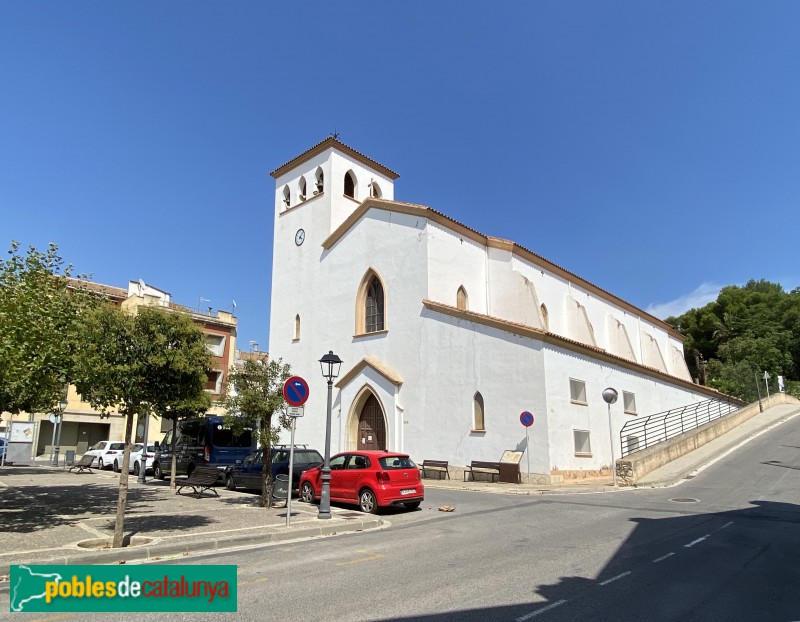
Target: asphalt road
723,546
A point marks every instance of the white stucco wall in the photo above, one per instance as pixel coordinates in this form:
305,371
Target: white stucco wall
442,360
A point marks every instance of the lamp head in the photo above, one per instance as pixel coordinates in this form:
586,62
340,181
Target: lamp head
610,395
330,364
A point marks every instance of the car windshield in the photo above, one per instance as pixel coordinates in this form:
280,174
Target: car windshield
306,455
397,462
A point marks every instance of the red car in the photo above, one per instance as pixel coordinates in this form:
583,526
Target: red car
372,479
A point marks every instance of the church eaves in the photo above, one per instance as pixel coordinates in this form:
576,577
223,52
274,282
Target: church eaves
486,240
331,142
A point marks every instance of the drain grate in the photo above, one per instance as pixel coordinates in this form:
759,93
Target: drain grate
685,500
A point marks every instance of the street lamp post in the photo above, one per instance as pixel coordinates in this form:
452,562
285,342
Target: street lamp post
329,364
143,467
610,396
62,406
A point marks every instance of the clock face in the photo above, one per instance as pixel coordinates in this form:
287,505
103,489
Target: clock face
299,237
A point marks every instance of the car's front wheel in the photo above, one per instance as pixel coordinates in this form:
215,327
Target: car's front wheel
367,501
307,492
229,483
157,472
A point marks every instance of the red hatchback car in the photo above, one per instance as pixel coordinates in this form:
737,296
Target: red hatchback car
372,479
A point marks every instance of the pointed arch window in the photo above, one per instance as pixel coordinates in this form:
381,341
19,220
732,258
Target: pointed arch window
375,190
287,201
374,306
350,185
296,332
370,304
545,318
319,180
462,300
478,422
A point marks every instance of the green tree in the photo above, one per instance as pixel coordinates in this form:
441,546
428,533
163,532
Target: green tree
183,411
40,308
746,331
253,395
153,360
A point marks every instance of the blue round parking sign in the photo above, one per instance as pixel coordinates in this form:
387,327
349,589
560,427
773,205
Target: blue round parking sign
526,419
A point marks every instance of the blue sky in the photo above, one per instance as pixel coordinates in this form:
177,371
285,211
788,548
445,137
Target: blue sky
650,147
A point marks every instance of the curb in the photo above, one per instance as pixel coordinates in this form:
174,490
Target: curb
150,553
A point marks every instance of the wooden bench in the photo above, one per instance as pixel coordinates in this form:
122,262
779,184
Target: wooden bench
202,478
83,464
439,466
482,468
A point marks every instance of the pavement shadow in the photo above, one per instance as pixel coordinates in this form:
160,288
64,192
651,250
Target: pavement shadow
762,586
29,508
158,523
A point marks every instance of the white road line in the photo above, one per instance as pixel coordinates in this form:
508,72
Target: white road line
612,579
663,557
728,524
698,541
528,616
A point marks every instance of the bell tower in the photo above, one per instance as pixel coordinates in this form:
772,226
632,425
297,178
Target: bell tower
314,194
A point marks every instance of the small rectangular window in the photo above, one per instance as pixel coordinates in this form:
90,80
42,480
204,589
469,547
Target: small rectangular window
630,402
577,391
215,344
582,445
214,383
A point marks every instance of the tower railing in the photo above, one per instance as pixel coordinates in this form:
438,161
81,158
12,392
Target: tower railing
643,432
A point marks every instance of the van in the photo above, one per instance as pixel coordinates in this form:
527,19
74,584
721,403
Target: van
203,441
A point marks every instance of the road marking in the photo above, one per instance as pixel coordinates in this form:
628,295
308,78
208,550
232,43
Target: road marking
612,579
362,559
698,541
663,557
528,616
93,531
252,581
728,524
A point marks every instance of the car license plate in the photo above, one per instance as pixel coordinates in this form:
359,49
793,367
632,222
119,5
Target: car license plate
408,491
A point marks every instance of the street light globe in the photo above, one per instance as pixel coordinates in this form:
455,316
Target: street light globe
610,395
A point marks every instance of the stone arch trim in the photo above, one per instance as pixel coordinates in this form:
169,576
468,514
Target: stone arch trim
361,302
354,416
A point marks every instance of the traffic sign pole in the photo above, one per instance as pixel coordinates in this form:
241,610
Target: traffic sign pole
526,419
528,454
291,464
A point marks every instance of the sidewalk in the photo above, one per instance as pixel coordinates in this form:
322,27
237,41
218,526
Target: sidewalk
48,515
692,463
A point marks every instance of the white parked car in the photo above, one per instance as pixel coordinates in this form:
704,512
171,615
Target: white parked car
136,458
106,453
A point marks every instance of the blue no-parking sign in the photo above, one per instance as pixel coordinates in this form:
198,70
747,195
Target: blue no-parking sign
295,391
526,419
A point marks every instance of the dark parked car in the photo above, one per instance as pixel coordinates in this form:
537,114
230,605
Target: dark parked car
247,473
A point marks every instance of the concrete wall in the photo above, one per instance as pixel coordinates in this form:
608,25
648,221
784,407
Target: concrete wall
635,466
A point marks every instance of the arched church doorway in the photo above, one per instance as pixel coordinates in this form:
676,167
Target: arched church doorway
371,426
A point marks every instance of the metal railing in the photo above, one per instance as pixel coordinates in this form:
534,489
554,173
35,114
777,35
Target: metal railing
644,432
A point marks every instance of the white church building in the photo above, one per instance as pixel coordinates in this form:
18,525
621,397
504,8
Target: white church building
447,334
